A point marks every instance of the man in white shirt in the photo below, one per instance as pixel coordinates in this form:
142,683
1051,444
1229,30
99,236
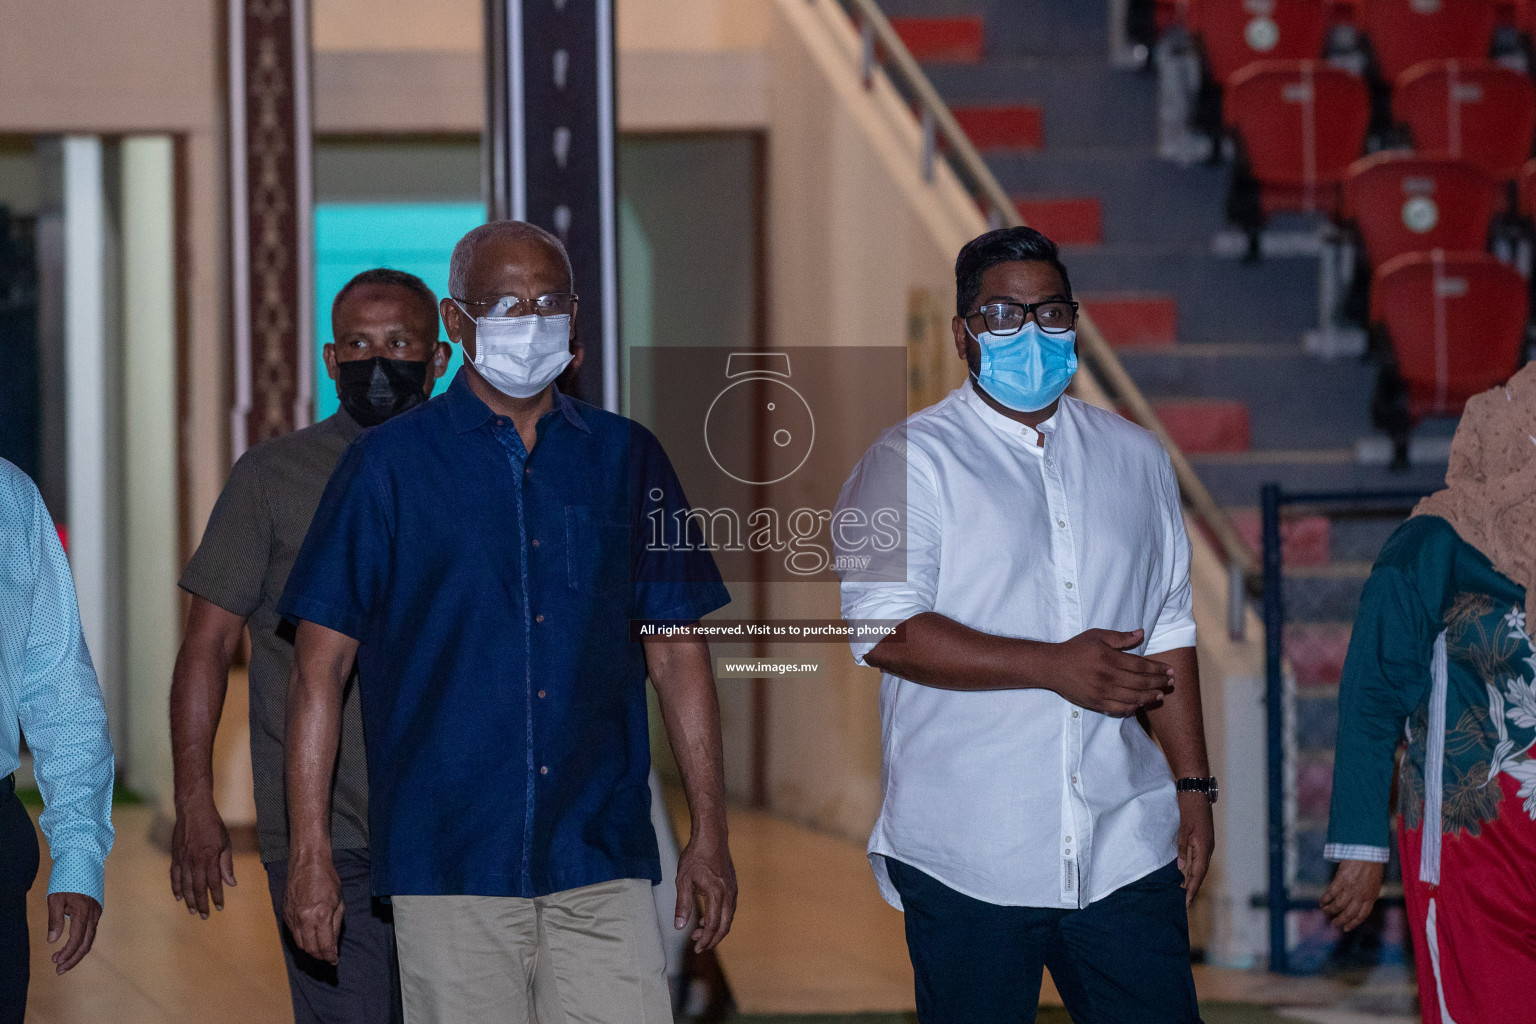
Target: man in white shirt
1029,819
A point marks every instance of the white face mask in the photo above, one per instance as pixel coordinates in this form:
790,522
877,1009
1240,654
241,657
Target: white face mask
520,355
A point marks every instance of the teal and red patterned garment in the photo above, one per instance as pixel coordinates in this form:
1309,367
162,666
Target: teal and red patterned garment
1441,662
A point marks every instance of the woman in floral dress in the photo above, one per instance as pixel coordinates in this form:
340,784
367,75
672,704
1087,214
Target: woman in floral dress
1441,660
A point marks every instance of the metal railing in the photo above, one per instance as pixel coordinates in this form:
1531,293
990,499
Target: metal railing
942,138
1284,895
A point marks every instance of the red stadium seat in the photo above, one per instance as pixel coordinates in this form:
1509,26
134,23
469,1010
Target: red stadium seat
1481,112
1170,13
1456,321
1404,32
1234,33
1525,190
1402,202
1344,12
1301,123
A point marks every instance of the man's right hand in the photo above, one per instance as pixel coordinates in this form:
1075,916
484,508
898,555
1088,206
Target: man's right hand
201,860
312,907
1093,671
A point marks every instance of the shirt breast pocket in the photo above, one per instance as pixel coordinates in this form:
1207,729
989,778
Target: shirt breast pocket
596,551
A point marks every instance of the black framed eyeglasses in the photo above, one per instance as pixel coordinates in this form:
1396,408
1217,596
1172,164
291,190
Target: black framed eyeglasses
550,304
1055,316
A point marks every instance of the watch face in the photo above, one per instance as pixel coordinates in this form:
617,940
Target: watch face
758,430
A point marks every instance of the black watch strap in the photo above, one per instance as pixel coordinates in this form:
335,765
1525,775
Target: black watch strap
1194,785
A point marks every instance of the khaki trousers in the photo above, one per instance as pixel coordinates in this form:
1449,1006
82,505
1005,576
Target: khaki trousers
583,956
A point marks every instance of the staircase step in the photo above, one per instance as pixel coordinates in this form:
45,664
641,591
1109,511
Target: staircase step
1088,104
1303,541
1133,319
1294,400
1146,200
1065,221
953,39
1049,27
1274,302
1008,126
1237,479
1200,426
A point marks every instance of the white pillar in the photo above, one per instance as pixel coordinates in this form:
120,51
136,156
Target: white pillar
88,404
151,520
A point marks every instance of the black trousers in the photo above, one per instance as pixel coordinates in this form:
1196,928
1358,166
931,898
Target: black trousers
1121,960
18,869
364,986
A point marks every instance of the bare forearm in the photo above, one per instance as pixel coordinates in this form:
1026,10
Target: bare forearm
198,688
322,661
199,684
938,651
1178,722
690,709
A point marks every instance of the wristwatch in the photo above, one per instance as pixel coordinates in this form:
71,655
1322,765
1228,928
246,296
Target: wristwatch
1206,786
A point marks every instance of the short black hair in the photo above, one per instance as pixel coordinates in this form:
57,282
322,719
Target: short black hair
423,296
1005,245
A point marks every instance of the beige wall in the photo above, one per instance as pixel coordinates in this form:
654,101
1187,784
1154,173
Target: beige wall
852,229
142,66
404,66
129,65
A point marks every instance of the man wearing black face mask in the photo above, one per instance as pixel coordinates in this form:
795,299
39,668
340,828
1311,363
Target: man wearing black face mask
385,356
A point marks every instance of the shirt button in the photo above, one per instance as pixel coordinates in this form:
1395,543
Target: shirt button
1069,584
527,470
1074,780
538,618
1069,839
1050,463
544,770
1074,714
1061,523
535,542
541,695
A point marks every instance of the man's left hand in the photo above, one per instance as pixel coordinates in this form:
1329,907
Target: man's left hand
1197,839
83,913
705,871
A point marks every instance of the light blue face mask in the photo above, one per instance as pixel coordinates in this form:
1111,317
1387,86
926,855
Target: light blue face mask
1029,370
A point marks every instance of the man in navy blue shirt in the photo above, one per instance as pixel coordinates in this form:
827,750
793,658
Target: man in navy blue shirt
482,558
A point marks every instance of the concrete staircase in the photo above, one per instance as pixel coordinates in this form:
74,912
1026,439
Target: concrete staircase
1215,343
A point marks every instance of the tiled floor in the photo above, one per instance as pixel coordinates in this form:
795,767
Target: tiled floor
153,963
812,936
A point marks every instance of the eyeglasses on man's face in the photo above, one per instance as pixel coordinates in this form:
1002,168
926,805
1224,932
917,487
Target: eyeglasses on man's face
551,304
1056,316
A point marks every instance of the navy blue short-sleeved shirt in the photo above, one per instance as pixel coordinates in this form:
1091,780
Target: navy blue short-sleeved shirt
491,591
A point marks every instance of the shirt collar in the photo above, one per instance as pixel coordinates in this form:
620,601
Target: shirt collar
466,411
1011,428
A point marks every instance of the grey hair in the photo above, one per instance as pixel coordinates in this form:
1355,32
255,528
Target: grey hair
497,231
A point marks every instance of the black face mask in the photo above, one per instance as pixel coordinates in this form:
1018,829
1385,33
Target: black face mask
373,390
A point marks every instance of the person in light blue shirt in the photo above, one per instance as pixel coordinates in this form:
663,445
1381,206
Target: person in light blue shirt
49,693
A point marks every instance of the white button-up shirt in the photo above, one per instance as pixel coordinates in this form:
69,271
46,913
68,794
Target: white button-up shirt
1018,797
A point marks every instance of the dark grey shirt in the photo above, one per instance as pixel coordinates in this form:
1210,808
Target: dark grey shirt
241,565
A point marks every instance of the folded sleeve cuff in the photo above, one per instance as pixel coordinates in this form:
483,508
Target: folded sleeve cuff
304,609
1172,638
867,604
77,871
1353,851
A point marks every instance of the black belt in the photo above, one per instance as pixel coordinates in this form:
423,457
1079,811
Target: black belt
7,786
